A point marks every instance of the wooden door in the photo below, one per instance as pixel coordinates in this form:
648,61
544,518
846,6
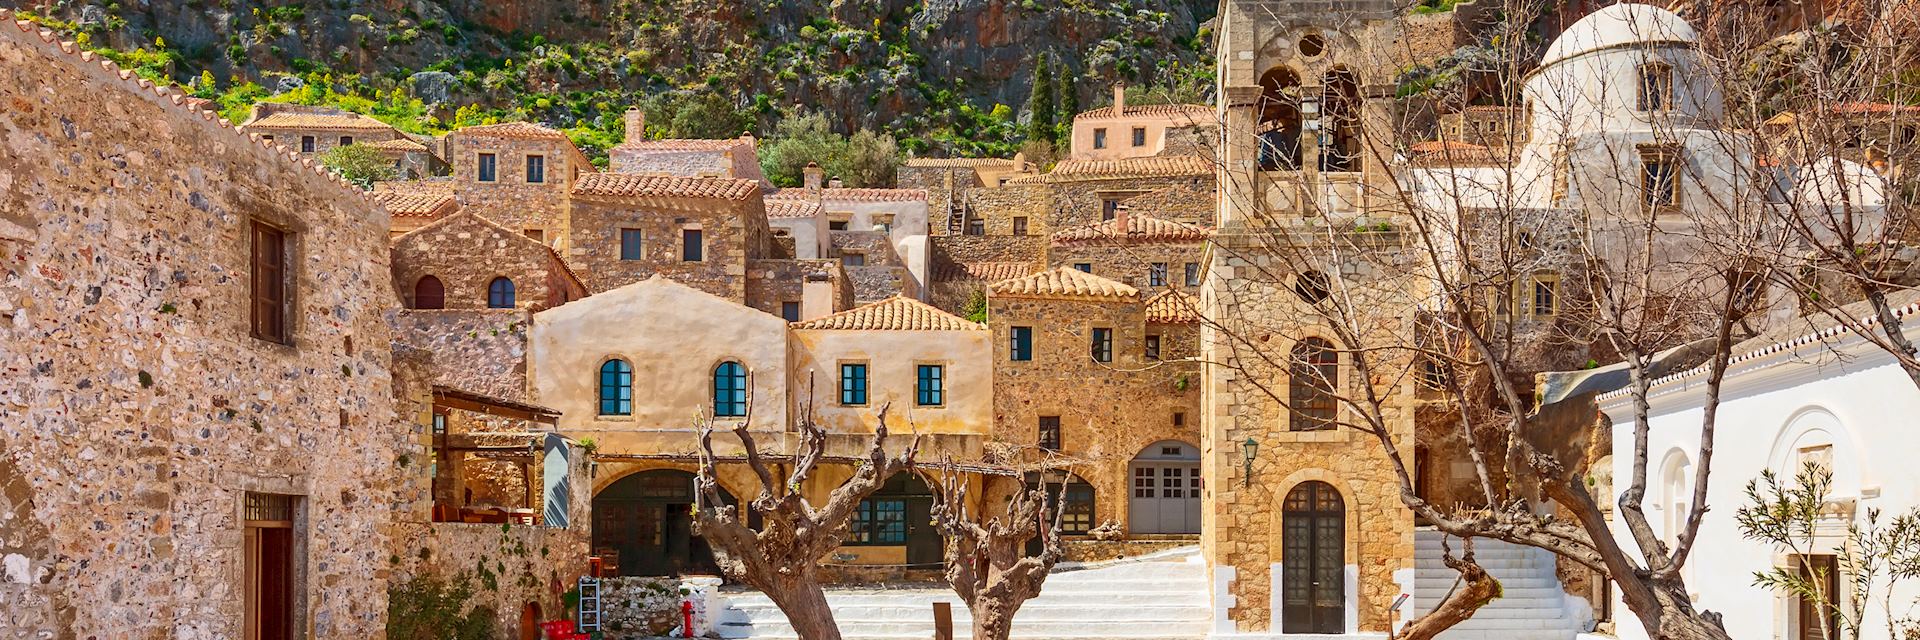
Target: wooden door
1313,560
923,539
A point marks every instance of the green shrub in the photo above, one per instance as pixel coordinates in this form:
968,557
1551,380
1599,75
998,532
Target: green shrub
427,608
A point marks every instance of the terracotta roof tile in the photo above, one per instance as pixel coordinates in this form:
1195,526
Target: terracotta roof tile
629,185
517,130
1062,282
1434,146
416,204
959,162
1151,166
987,271
852,195
1140,230
400,144
1455,154
789,209
682,144
1173,307
1195,113
893,314
343,121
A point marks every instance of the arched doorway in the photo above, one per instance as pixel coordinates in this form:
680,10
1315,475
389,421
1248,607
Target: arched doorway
643,526
530,621
1313,560
429,293
1077,517
1280,119
900,513
1166,489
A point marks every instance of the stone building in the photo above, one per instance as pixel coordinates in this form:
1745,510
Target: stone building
1122,130
1084,381
1147,253
414,203
687,158
699,231
464,261
517,174
879,235
310,130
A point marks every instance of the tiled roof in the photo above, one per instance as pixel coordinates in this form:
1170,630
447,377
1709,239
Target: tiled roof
621,184
1148,167
1197,113
414,204
682,144
170,96
852,195
893,314
959,162
1457,154
342,122
515,130
1435,146
987,271
1852,108
1062,282
400,144
785,209
1140,230
1173,307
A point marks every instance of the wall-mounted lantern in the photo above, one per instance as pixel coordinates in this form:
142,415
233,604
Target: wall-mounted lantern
1249,450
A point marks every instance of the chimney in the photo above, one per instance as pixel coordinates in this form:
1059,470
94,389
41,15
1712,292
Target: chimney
1120,98
1019,160
813,175
636,125
1122,220
835,183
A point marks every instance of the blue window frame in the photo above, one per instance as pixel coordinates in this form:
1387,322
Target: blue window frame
853,383
616,388
500,293
1020,344
729,390
879,521
630,244
486,167
931,389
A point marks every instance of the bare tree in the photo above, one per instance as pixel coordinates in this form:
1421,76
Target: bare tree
782,558
986,557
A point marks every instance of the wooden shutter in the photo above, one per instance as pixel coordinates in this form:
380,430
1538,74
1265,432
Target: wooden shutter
269,295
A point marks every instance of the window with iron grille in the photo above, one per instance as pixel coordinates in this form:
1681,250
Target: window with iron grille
853,383
1314,374
268,507
930,390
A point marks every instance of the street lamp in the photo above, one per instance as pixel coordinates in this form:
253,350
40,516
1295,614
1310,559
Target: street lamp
1249,450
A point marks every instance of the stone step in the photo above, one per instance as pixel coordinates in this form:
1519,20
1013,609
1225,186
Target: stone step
852,629
1506,634
1032,611
1079,598
1440,583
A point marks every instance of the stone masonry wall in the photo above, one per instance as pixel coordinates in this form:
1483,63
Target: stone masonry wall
479,350
733,233
1109,412
138,409
1132,263
770,283
466,253
510,200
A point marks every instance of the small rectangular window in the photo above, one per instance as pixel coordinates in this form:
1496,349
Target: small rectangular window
853,259
853,383
630,244
690,248
1193,274
306,144
1179,419
1019,225
1139,136
536,169
1083,267
439,424
1157,274
1656,86
1100,138
1153,348
1102,347
538,235
976,227
346,140
931,387
269,282
1020,344
836,225
1050,433
1108,207
1543,300
486,168
790,311
1660,180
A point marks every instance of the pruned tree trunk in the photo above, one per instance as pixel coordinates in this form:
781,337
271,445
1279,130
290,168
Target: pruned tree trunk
987,564
782,558
1478,589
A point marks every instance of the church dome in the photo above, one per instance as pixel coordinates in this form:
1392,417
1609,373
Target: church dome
1617,25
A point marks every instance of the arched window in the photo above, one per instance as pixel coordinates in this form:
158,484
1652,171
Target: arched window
500,293
616,388
428,293
1314,373
1340,93
1656,87
729,390
1676,494
1280,120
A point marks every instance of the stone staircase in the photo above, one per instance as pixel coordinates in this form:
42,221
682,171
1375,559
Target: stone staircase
1532,605
1162,596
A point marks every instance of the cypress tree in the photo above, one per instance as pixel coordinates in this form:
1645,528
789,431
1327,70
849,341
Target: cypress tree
1069,100
1040,125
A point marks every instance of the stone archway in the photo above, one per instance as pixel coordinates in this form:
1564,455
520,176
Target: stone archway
1313,558
1164,492
643,525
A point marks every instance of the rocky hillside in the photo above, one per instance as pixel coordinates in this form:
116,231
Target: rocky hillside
931,72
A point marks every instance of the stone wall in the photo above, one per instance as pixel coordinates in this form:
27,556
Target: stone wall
139,410
964,249
772,283
510,200
479,350
733,233
1080,202
1109,412
997,207
467,252
1192,203
1132,262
